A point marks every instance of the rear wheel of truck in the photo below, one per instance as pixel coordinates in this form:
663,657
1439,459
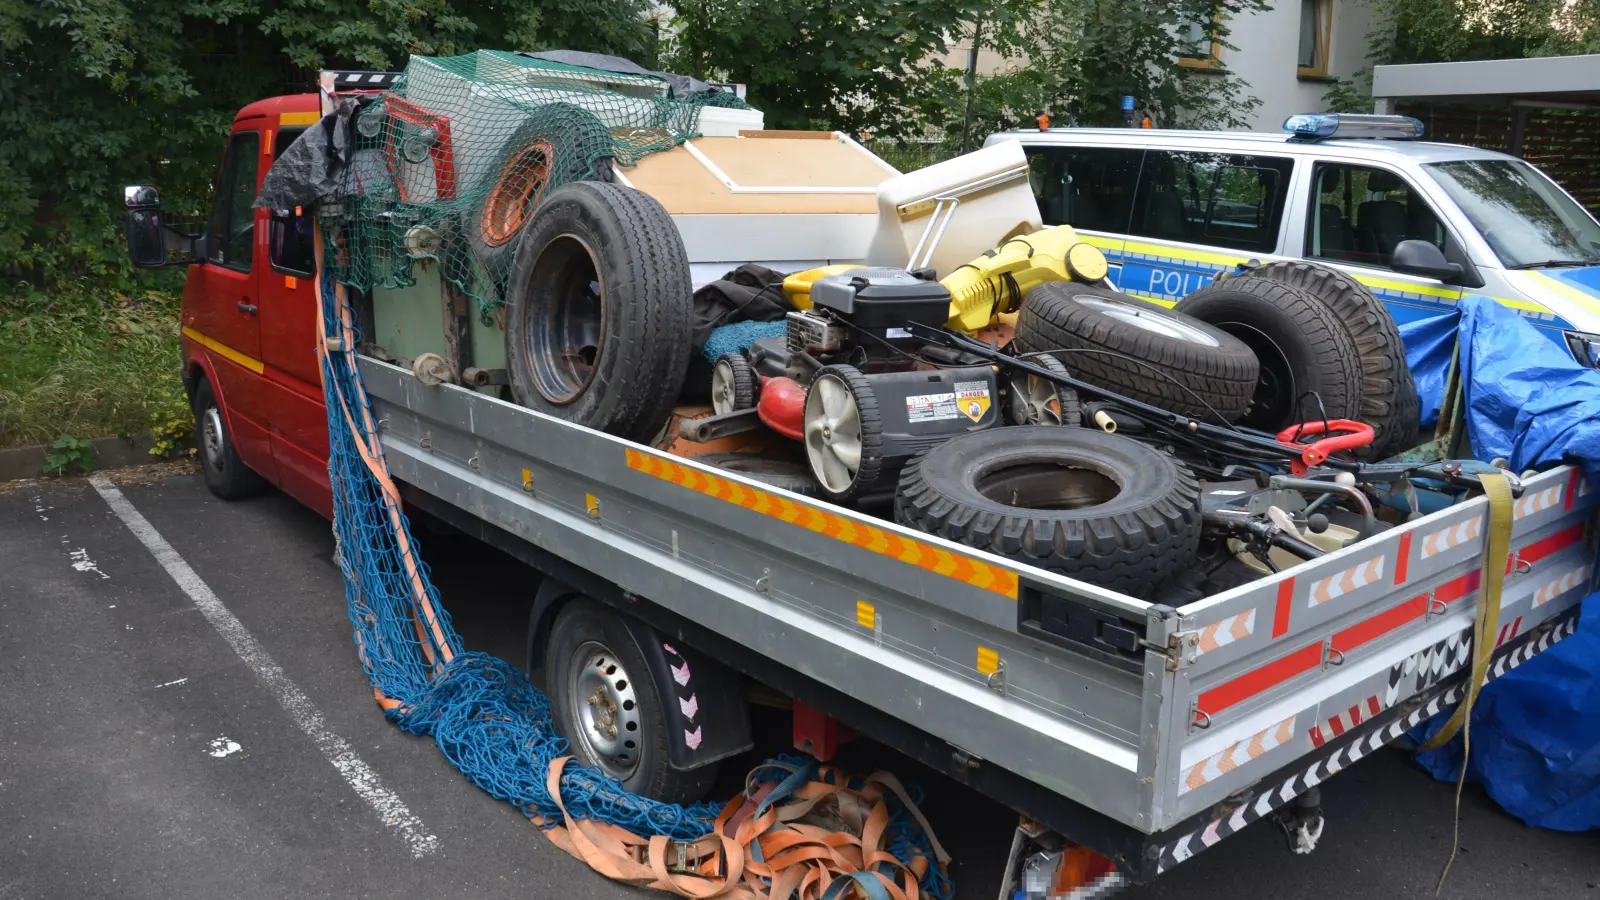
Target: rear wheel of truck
1098,507
605,703
226,475
1140,349
599,310
1389,401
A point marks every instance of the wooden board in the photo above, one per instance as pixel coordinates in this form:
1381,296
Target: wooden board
686,187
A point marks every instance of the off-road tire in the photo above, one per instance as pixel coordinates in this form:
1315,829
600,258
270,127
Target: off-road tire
1133,542
1389,401
1299,341
1209,383
792,476
646,296
581,621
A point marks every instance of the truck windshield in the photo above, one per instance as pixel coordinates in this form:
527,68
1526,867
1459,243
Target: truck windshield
1527,221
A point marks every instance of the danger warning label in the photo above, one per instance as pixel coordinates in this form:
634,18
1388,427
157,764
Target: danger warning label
972,399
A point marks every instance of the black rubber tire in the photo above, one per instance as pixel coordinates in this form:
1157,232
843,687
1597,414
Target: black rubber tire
1185,376
580,621
638,366
224,472
1071,410
1300,343
743,386
792,476
1133,540
871,432
1389,401
572,135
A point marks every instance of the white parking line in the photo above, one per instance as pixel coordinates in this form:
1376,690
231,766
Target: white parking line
361,778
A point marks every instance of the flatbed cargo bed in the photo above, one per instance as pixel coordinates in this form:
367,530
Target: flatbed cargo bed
1144,732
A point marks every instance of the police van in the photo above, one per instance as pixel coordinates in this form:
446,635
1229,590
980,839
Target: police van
1421,224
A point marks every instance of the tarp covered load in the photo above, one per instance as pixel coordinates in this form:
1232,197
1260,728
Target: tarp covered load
1535,731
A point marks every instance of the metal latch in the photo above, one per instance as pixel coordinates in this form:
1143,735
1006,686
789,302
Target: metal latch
1178,643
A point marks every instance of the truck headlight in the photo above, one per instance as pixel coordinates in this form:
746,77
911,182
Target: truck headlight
1585,347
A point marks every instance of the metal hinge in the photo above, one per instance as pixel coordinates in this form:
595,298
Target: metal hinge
1181,649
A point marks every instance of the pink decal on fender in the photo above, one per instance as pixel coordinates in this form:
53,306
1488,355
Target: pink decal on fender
689,706
680,675
691,739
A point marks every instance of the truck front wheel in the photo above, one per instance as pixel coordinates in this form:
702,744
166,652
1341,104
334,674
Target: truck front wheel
226,475
607,705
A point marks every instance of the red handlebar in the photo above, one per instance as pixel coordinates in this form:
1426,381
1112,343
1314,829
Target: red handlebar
1347,435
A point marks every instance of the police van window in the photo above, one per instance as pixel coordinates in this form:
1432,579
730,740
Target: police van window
1220,199
290,245
1358,214
1085,187
232,228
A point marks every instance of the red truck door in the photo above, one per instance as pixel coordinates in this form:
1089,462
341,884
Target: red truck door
288,317
223,312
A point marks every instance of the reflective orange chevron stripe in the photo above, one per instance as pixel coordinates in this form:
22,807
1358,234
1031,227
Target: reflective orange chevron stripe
857,534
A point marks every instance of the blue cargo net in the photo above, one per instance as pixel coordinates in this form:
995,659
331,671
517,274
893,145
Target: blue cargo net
483,713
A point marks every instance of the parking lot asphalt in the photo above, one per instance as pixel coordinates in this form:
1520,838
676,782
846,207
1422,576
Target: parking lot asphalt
143,753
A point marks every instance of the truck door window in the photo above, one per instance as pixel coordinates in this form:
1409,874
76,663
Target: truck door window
289,241
1359,213
1225,200
1085,187
232,228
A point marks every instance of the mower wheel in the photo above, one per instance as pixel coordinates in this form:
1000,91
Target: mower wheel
843,432
1031,400
1098,507
734,384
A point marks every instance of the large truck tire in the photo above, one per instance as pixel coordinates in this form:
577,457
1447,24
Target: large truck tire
1389,401
1302,347
560,143
599,310
1140,349
1098,507
605,702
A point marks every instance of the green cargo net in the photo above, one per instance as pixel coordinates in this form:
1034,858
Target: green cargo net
450,164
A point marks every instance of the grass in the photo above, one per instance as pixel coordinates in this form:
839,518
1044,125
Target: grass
86,363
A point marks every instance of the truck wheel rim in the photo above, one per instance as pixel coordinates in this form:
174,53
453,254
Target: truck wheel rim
564,335
723,392
1174,328
516,193
1034,401
603,702
833,434
212,437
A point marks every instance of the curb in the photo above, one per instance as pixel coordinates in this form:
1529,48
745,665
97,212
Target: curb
109,453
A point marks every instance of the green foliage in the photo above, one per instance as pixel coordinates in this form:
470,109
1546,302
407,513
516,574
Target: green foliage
95,94
81,360
171,426
862,66
70,453
1413,31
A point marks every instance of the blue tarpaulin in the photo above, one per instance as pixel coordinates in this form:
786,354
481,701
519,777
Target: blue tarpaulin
1535,731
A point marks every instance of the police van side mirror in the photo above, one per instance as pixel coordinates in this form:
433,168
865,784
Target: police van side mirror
1423,258
147,232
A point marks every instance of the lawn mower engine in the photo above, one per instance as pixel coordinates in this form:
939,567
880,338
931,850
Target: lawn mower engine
849,380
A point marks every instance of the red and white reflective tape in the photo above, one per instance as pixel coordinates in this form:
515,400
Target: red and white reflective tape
1350,718
1337,585
1559,586
1225,632
1529,504
1436,542
1508,631
1220,764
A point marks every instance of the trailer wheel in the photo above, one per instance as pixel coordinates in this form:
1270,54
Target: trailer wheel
1302,347
606,705
599,310
225,473
1140,349
780,473
1389,401
560,143
1098,507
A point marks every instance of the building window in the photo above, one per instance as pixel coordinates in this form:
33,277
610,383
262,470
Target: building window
1198,46
1316,29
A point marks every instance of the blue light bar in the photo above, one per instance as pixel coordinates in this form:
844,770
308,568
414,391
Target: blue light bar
1322,126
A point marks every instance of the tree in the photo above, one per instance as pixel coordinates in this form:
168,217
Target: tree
1082,56
853,65
95,94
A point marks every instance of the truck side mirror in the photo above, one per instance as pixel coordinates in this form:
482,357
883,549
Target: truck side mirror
147,233
1423,258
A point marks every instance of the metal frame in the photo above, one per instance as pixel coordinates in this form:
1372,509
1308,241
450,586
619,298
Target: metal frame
906,635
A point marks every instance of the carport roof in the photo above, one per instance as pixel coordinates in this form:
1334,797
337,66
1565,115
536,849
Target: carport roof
1543,81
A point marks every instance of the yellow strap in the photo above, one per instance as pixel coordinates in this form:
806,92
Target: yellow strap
1496,550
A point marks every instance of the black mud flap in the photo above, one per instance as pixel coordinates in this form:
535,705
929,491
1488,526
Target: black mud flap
703,700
